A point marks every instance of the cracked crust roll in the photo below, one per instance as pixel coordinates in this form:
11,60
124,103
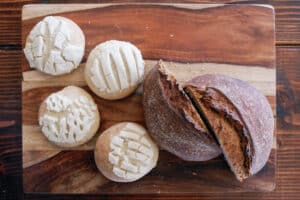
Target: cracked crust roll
114,69
172,120
69,117
239,116
55,46
125,152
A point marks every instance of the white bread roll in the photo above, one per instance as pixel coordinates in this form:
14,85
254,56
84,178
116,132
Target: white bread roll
55,46
114,69
125,152
69,117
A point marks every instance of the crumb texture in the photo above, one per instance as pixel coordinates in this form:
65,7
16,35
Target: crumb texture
254,110
178,100
55,46
227,126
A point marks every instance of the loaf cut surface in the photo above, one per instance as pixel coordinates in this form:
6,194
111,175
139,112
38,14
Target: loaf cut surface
227,127
240,118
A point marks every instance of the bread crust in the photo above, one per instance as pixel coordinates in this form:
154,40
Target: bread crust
172,120
254,110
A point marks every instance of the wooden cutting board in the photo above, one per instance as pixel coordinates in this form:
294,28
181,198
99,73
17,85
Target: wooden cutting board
195,39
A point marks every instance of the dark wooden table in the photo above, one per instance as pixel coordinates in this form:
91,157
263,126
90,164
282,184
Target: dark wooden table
288,104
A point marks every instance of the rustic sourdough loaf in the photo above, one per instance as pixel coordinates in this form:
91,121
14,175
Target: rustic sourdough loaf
172,120
239,116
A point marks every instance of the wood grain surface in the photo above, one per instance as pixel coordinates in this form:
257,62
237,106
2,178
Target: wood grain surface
288,110
287,22
75,172
247,53
247,29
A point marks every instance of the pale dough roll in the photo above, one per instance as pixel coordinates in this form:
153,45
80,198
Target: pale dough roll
55,46
114,69
69,117
125,152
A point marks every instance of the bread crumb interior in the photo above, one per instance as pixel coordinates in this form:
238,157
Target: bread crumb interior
226,134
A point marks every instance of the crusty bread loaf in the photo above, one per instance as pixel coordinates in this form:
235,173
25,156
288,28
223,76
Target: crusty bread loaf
239,116
172,120
55,46
69,117
125,152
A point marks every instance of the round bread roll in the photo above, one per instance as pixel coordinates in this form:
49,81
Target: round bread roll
172,120
55,46
125,152
114,69
69,117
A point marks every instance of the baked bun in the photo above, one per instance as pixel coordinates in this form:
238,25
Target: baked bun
69,117
172,120
114,69
240,117
55,46
125,152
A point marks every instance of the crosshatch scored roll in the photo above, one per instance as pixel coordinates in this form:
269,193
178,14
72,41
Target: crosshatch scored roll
125,152
114,69
69,117
55,46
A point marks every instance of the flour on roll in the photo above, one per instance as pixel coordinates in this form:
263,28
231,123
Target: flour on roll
69,117
55,46
125,152
114,69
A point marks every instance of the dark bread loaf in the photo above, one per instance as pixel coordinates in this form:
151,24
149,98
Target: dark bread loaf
240,118
173,121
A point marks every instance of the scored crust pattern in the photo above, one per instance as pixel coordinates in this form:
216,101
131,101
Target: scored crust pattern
67,120
51,46
115,65
131,153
